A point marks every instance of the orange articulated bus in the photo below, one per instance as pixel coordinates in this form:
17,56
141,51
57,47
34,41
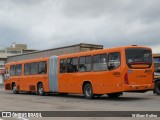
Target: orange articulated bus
93,73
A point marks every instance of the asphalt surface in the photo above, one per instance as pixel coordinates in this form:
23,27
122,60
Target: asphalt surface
54,102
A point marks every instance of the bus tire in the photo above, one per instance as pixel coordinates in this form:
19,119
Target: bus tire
40,89
157,88
14,88
88,91
114,95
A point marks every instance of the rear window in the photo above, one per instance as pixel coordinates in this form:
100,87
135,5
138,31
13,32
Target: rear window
138,56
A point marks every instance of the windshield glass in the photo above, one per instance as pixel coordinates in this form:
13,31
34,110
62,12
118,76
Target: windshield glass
138,56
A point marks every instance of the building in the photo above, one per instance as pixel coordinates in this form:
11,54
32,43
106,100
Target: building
14,49
55,51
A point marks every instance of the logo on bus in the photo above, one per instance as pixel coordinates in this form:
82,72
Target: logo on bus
141,76
129,71
116,73
148,71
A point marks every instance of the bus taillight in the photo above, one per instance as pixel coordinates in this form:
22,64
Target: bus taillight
126,79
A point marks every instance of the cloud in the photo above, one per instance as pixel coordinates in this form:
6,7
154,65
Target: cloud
49,24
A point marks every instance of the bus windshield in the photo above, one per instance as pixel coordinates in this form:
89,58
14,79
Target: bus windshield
138,56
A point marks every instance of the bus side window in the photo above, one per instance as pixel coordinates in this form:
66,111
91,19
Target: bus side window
12,70
42,67
100,62
72,65
85,64
34,68
82,67
113,60
63,66
18,70
27,69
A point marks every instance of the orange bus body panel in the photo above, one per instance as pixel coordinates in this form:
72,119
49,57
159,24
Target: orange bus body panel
24,82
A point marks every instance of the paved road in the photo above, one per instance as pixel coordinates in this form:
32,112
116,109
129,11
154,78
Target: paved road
31,102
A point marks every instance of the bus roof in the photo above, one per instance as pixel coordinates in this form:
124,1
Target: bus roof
101,50
27,61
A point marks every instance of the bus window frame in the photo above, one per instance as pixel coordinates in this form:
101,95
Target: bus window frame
85,63
30,68
46,72
24,69
65,66
16,71
77,64
108,60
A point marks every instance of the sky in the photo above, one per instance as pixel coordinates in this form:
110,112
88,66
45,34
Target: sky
45,24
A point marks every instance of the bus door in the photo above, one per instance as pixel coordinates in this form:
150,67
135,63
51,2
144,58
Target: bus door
73,83
139,61
26,78
42,74
63,82
114,72
63,77
16,76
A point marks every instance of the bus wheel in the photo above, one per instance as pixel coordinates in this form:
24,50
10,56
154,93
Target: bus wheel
157,88
40,89
87,91
14,88
114,95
